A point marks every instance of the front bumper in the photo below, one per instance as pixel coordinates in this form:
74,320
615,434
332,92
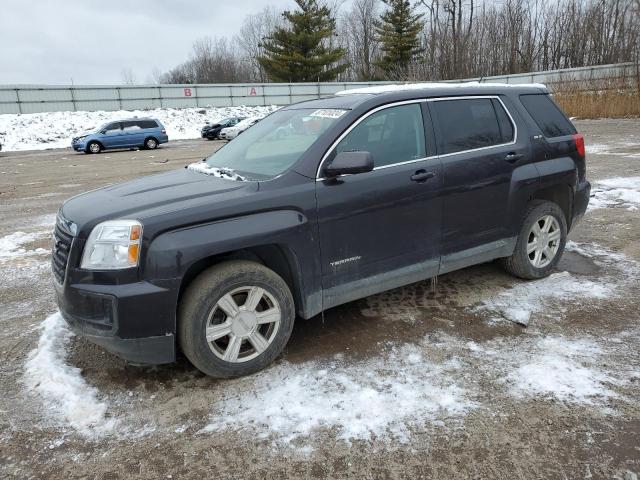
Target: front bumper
79,146
133,321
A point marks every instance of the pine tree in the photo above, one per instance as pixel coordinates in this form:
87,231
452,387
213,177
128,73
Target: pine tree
299,52
398,32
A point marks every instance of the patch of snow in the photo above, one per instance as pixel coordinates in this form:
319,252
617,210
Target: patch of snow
39,131
616,192
568,370
226,173
605,149
11,246
429,85
518,303
377,398
66,395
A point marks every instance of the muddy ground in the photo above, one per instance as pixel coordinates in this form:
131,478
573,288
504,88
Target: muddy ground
407,384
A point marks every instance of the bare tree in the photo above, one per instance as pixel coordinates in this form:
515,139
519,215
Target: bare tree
128,77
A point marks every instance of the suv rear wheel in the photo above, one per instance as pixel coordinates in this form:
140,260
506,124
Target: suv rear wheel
540,243
235,318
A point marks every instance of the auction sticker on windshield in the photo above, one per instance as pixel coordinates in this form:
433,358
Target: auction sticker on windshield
328,113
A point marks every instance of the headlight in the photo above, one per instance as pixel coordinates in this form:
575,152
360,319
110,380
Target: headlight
113,245
82,137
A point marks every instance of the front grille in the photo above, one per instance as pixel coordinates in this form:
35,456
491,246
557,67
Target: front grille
60,254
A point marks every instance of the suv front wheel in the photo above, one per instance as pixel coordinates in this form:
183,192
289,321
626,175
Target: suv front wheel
540,243
235,318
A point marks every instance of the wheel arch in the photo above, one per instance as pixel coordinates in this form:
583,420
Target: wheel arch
277,257
561,195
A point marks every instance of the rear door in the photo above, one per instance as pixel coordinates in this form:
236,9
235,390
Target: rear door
381,229
479,149
134,132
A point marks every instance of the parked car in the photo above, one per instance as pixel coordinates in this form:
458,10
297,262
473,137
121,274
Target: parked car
230,133
211,131
362,193
136,132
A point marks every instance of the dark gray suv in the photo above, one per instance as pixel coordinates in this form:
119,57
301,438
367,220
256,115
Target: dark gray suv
321,203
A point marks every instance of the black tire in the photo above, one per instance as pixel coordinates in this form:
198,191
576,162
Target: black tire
199,301
520,264
94,147
150,143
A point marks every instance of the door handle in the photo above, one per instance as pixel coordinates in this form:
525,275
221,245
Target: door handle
513,157
422,176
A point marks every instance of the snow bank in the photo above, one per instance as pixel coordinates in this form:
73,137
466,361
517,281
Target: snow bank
226,173
39,131
364,400
66,395
616,192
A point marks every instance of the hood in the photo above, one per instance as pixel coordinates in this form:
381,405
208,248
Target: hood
151,196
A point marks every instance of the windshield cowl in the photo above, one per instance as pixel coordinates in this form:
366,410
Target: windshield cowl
220,172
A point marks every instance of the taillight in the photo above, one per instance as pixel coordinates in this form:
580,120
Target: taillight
164,131
579,139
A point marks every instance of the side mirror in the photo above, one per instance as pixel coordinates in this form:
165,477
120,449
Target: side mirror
103,132
347,163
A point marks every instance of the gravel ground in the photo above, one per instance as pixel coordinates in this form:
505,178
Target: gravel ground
410,383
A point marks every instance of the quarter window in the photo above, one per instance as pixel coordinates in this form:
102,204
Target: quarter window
467,124
392,135
547,115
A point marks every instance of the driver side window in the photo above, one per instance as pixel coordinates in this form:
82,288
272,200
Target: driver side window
391,135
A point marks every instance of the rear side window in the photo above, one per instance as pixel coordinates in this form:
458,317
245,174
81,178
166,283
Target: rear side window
470,123
547,115
391,135
148,124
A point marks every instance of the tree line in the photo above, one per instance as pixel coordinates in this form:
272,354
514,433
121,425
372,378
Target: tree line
324,40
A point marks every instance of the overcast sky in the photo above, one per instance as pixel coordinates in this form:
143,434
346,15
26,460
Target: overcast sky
91,41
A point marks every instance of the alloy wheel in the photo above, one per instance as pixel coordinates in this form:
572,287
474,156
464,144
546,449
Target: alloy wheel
543,241
242,324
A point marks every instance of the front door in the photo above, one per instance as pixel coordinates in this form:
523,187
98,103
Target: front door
381,229
113,136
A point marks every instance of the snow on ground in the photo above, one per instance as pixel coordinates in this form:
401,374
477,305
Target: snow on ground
12,246
433,383
518,303
616,150
572,370
39,131
525,299
66,395
375,398
564,369
621,192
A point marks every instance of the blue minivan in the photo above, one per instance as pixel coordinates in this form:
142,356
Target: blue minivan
136,132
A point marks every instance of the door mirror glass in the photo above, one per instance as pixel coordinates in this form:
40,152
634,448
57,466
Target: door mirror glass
346,163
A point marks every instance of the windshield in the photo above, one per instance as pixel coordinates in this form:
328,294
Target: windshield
274,144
